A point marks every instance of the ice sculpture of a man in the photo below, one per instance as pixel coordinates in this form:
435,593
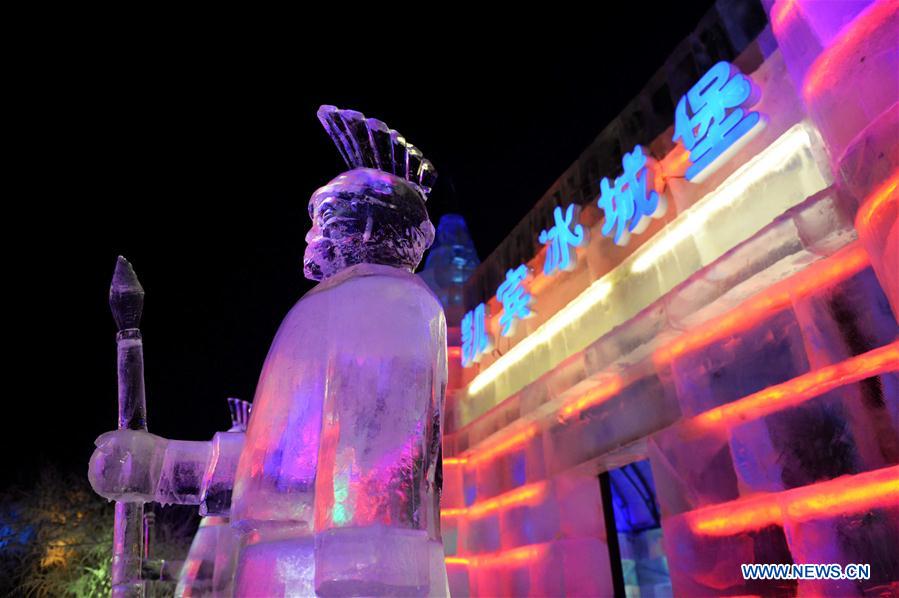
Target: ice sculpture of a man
338,484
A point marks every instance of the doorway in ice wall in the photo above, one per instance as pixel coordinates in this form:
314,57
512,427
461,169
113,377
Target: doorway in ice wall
639,564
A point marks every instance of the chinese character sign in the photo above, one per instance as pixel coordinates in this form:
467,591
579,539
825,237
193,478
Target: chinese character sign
561,239
712,116
475,338
633,200
515,299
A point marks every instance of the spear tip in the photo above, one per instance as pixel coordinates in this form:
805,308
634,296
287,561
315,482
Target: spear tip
126,296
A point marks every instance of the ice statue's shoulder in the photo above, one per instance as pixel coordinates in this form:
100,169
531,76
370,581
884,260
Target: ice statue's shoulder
391,306
367,289
375,276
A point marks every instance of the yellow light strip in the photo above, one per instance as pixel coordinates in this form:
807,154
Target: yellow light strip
593,294
794,141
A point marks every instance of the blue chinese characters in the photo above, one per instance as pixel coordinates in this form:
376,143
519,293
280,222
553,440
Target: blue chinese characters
561,239
632,201
712,116
475,338
515,299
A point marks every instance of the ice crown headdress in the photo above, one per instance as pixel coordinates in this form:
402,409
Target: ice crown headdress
370,143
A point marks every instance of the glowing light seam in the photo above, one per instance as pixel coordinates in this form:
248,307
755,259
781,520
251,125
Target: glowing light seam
522,554
849,494
802,388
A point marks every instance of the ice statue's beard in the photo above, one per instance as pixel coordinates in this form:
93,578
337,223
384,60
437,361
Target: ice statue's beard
324,258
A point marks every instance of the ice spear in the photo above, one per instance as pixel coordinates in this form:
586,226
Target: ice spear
126,300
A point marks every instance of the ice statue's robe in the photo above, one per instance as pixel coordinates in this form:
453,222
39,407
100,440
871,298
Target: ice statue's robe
342,449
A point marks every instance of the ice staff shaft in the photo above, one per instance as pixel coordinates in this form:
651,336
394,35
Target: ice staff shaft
126,301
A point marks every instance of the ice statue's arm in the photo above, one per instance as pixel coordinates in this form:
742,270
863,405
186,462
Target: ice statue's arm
136,466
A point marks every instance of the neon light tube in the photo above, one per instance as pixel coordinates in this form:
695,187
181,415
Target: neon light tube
513,556
847,494
802,388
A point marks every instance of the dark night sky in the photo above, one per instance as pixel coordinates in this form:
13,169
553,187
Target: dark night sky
195,157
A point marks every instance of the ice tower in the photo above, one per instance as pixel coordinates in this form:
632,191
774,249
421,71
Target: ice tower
450,262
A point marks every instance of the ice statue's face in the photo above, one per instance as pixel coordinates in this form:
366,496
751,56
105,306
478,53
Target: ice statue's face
365,216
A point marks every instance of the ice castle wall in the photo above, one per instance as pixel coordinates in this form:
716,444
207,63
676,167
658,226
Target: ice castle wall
755,364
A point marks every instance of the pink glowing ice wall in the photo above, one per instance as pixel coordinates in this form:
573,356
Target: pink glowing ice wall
794,460
755,362
844,58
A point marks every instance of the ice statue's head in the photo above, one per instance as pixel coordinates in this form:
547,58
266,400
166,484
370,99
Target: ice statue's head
366,216
375,213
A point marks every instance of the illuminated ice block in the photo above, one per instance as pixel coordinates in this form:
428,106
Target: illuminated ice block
575,497
276,568
482,533
844,319
843,57
878,228
870,537
820,435
459,580
533,522
609,422
690,472
794,447
709,565
740,363
584,566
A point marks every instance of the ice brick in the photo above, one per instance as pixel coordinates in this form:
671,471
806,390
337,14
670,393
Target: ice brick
276,568
703,565
795,447
690,472
578,505
845,319
459,584
878,227
738,365
867,537
373,561
637,410
532,523
482,533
